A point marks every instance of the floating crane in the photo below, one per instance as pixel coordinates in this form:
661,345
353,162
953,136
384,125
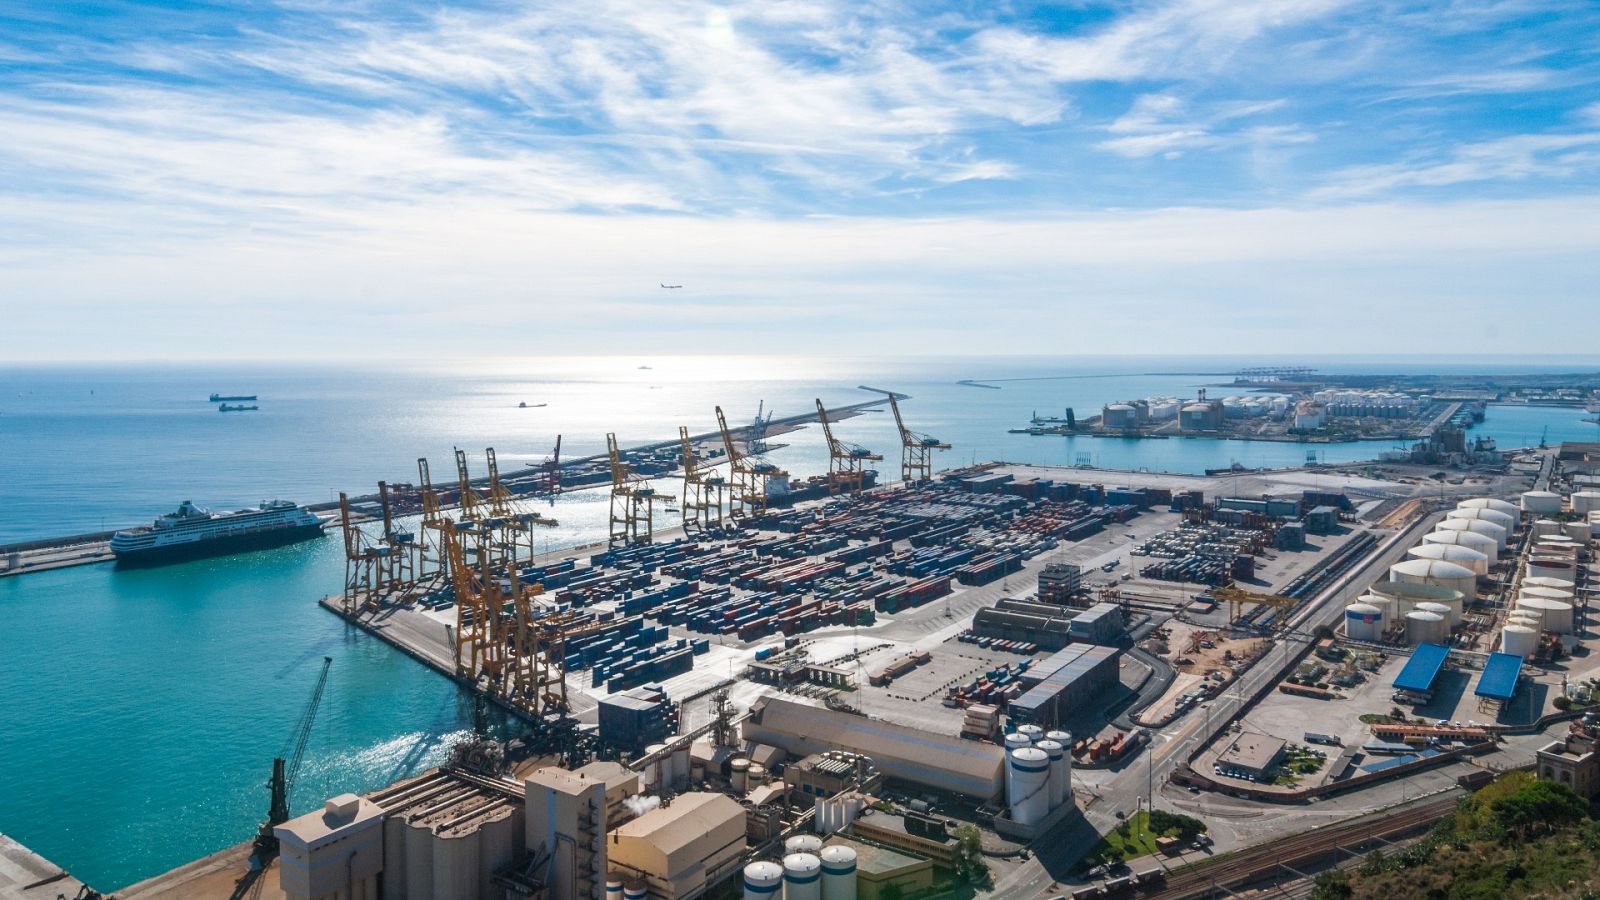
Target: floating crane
916,449
364,562
752,475
704,491
632,501
846,462
286,767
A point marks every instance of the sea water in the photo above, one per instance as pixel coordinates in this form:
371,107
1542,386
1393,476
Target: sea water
142,708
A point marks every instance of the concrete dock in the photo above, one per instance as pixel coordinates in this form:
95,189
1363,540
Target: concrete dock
25,875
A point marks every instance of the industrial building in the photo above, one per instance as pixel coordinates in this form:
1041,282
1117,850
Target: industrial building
1058,582
565,835
879,869
336,853
1044,624
681,848
1063,682
970,768
632,720
1255,755
1102,623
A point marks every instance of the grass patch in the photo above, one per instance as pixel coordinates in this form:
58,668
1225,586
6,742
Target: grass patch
1137,836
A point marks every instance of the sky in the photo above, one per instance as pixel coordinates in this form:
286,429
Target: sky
320,180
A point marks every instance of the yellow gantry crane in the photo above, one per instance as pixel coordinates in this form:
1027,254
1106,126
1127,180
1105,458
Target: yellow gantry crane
916,449
704,491
1236,598
400,569
632,501
513,523
436,526
847,463
751,475
364,562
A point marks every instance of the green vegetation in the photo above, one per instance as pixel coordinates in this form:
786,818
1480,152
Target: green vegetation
1517,837
1378,719
1137,836
971,867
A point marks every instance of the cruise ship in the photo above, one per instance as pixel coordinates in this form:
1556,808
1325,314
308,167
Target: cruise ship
194,531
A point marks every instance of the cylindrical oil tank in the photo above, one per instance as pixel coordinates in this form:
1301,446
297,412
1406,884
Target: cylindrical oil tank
614,886
680,764
1423,627
1526,618
1363,622
1435,572
738,773
1028,784
838,873
802,843
1551,567
1519,640
1481,526
1033,733
1472,540
762,880
1546,527
1016,740
1504,520
1119,415
756,776
635,889
1556,614
1509,509
802,877
1541,503
1056,752
1439,609
1580,532
1584,502
1461,556
1560,584
1534,590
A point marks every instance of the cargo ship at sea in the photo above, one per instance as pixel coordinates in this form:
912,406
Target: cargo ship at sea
194,532
220,398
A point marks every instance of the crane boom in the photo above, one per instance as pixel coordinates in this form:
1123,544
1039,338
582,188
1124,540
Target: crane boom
286,766
916,449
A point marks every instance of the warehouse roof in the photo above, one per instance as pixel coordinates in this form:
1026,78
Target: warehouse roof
691,817
1499,679
1422,670
969,767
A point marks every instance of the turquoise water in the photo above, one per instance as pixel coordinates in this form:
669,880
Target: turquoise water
143,708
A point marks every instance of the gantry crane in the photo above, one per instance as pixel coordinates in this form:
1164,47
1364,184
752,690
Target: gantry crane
632,501
751,475
514,523
550,472
916,449
364,562
400,567
435,526
1236,598
704,491
286,766
476,518
846,462
479,638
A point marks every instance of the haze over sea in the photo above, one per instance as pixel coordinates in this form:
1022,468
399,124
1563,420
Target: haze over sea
143,708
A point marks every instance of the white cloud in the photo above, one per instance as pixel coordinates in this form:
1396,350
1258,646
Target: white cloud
1515,158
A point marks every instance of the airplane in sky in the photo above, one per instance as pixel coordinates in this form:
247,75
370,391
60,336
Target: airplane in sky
672,287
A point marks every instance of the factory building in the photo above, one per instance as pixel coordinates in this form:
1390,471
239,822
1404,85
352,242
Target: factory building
882,873
1065,681
1256,755
334,854
1101,623
679,849
566,831
969,768
1044,624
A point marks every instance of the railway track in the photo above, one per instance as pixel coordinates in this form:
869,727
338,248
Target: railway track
1258,863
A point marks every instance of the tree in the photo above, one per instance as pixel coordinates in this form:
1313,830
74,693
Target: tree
970,864
1539,807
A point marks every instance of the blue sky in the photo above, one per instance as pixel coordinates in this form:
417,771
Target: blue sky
291,180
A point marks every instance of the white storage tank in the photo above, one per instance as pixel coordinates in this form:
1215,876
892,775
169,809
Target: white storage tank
650,779
1525,617
1580,532
1028,784
1552,567
1519,640
1550,593
802,843
755,776
1557,614
1584,502
1542,503
1016,740
1461,556
1546,527
838,873
1509,509
681,764
1406,594
1560,584
635,889
1062,770
1056,752
1481,526
1472,540
1363,622
1440,609
614,886
1033,733
739,773
1423,627
1435,572
762,880
802,877
1504,520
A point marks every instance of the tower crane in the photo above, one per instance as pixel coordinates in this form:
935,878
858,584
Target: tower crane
916,449
846,462
704,491
286,766
752,475
632,500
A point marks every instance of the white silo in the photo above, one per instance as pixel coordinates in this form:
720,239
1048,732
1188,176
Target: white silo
1363,622
1472,540
1423,627
1584,502
1519,640
762,880
1580,532
1504,520
838,873
1509,509
739,773
1016,740
802,843
1440,609
1033,733
1481,526
635,889
1056,752
681,763
1062,769
650,779
1461,556
1553,567
1435,572
1556,614
1028,784
1546,527
614,886
1560,584
1541,503
802,877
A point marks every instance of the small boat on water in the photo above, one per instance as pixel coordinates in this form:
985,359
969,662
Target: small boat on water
225,398
237,407
526,405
